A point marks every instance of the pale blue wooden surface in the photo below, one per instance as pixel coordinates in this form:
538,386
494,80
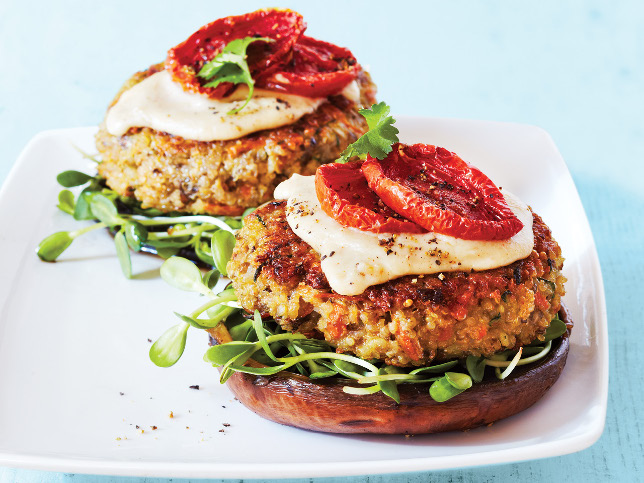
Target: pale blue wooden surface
574,68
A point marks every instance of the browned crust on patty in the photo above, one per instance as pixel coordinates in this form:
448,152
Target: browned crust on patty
171,173
407,321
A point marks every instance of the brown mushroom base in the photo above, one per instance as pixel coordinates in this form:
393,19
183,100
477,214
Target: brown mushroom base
323,406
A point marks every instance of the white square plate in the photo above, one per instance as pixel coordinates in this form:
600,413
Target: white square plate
77,385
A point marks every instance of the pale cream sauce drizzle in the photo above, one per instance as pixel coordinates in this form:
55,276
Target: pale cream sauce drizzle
353,260
160,103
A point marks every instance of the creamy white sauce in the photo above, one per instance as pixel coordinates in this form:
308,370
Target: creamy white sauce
160,103
353,260
352,92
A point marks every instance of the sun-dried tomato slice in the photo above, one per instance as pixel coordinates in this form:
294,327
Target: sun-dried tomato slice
292,63
283,26
344,195
317,69
442,193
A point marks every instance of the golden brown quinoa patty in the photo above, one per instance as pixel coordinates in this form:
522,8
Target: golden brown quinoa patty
171,173
411,320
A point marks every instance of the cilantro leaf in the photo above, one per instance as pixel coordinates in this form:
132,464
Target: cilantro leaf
230,65
378,140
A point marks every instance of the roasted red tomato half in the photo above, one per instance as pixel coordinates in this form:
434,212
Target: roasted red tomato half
283,26
436,189
317,69
292,63
344,195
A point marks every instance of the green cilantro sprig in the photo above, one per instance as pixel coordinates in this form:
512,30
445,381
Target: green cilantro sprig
230,65
378,140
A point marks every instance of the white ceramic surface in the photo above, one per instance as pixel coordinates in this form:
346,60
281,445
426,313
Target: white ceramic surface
74,336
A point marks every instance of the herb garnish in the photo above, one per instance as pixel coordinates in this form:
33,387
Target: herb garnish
230,65
135,228
378,140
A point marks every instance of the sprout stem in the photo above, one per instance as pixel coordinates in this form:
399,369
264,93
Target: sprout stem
388,377
512,365
326,355
196,231
361,391
522,362
82,231
217,299
173,220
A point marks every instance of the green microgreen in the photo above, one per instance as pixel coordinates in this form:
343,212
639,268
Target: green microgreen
105,210
233,222
69,179
239,330
475,367
435,369
222,245
136,234
82,210
258,326
378,140
141,229
51,247
450,385
221,354
215,300
220,307
211,278
230,65
556,329
168,348
389,387
66,202
193,322
123,253
501,361
204,254
459,380
183,274
350,369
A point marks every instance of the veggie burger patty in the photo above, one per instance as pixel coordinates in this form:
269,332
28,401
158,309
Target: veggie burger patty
171,173
411,320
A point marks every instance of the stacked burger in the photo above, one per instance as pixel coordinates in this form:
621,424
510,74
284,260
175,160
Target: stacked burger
235,109
374,295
